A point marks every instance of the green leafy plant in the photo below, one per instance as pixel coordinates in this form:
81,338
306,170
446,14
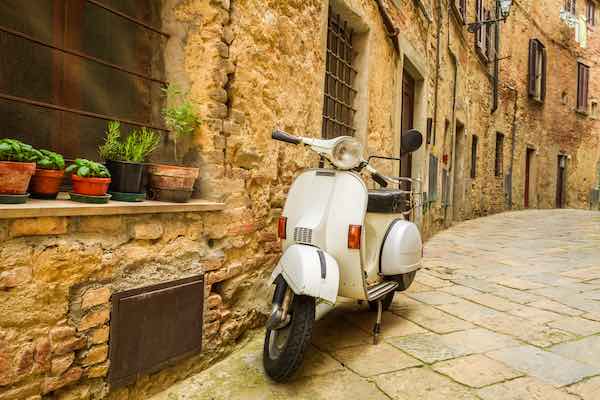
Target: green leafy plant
179,115
15,150
136,148
140,144
50,160
112,147
88,169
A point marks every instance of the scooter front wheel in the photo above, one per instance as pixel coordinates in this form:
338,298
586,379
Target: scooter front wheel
284,348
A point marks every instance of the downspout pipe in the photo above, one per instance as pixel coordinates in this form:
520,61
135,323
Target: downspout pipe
513,135
437,68
391,30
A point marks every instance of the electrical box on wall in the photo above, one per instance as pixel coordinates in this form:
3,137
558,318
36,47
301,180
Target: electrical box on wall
153,326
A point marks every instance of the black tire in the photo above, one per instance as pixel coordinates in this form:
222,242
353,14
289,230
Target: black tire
404,280
386,302
282,366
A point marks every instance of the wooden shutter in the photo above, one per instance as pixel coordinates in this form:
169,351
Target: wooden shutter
479,37
542,52
583,75
532,66
489,45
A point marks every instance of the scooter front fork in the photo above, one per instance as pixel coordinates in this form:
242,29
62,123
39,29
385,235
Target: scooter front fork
282,299
377,326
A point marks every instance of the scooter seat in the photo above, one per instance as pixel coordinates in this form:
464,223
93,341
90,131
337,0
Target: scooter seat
387,201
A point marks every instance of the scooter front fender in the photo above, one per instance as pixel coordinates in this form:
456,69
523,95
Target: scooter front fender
309,271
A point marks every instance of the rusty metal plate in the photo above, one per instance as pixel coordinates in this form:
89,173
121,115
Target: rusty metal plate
153,326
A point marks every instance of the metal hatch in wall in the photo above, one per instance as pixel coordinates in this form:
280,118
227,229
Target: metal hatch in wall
153,326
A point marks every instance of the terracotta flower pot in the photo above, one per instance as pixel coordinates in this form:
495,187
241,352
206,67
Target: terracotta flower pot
171,183
15,177
45,183
90,186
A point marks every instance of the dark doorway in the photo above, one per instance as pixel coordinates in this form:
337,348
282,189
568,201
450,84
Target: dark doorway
408,116
528,163
560,181
458,172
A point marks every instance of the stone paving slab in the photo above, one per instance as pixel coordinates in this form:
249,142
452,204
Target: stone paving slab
546,366
391,324
523,389
588,389
576,325
370,360
586,350
432,347
431,318
421,384
476,370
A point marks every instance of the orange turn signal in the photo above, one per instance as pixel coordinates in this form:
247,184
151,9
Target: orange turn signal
354,232
281,227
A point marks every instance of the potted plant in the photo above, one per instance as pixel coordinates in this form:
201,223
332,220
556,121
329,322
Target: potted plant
125,159
175,183
17,166
89,179
46,181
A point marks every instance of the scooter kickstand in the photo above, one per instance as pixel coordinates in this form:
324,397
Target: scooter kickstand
377,327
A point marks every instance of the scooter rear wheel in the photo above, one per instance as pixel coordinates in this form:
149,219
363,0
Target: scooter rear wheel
283,350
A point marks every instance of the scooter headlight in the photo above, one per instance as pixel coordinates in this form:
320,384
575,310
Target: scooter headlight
347,153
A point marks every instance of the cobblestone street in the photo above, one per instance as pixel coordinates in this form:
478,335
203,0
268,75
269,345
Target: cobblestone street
507,307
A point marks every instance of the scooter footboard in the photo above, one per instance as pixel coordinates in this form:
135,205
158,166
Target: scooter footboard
309,271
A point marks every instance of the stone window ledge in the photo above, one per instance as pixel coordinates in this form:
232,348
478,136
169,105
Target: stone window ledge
67,208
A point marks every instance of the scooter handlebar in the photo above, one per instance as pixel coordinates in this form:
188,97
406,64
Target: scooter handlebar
285,137
377,177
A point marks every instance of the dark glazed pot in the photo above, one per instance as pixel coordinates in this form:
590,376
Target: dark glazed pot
126,177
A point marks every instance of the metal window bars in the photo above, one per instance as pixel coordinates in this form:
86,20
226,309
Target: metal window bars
338,109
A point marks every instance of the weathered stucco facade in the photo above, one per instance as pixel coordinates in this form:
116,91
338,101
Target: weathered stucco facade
251,66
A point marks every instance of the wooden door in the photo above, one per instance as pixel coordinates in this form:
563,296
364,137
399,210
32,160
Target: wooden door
528,161
560,181
408,103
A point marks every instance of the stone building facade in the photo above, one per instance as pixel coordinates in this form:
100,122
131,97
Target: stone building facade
251,66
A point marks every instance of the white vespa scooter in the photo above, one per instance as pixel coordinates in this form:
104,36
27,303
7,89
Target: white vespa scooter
339,239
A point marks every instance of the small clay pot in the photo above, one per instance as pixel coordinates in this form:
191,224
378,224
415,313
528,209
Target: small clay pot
45,184
90,186
15,177
171,183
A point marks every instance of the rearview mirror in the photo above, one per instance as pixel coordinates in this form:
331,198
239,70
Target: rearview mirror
411,141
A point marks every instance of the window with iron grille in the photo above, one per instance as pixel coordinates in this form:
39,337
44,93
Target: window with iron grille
499,159
340,75
571,6
583,81
537,70
75,64
591,13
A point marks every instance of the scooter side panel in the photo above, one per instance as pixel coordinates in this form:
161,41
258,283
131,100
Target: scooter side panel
309,273
348,207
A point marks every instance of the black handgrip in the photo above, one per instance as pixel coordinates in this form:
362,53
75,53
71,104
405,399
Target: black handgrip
285,137
379,179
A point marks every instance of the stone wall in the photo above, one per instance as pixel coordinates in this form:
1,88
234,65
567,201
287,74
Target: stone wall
56,279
